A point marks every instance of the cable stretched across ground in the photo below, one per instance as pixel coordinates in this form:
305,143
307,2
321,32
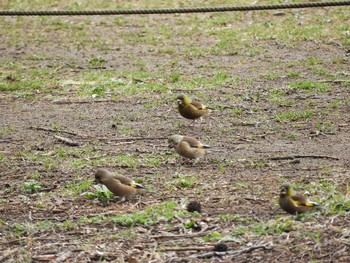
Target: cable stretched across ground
172,10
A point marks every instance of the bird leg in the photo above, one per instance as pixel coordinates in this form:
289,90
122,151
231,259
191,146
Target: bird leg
189,162
185,161
192,122
122,200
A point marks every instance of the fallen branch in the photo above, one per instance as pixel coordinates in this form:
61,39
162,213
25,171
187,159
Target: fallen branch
302,156
54,130
66,141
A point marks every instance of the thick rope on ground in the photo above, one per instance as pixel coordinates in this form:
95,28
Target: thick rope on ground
171,11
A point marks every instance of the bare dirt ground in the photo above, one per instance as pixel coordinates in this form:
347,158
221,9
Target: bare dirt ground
257,145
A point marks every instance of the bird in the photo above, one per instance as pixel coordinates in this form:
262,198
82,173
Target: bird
191,109
119,185
295,203
187,146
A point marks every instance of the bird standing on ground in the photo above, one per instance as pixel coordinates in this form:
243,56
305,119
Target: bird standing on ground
187,147
119,185
294,203
191,109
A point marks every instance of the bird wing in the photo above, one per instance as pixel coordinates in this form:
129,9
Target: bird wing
193,143
115,181
300,200
198,105
127,181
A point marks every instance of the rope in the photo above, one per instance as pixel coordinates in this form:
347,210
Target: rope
171,11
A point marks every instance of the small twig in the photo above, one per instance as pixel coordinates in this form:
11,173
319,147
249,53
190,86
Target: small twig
293,161
63,244
7,254
246,140
250,249
53,130
302,156
254,199
252,124
236,252
10,141
82,101
278,158
187,90
317,157
46,257
210,254
202,233
96,157
335,80
63,256
66,141
19,240
185,248
132,139
115,212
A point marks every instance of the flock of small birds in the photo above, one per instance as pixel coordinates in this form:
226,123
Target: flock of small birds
190,148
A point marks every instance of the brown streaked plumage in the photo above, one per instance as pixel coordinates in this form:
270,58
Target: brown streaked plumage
187,147
294,203
191,109
119,185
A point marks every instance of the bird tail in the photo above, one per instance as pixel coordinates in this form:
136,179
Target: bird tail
136,185
203,146
312,204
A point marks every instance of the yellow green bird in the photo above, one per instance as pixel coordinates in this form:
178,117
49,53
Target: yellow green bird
191,109
187,146
295,203
119,185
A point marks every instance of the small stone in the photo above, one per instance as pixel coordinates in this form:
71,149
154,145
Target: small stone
220,247
194,206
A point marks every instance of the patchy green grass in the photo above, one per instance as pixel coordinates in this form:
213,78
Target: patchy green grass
324,126
101,193
182,181
272,80
293,115
31,186
6,130
150,216
80,187
309,86
235,218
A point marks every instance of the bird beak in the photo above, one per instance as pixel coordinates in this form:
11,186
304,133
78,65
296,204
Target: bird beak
179,101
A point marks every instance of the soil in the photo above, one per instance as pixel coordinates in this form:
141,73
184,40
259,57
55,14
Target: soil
252,155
